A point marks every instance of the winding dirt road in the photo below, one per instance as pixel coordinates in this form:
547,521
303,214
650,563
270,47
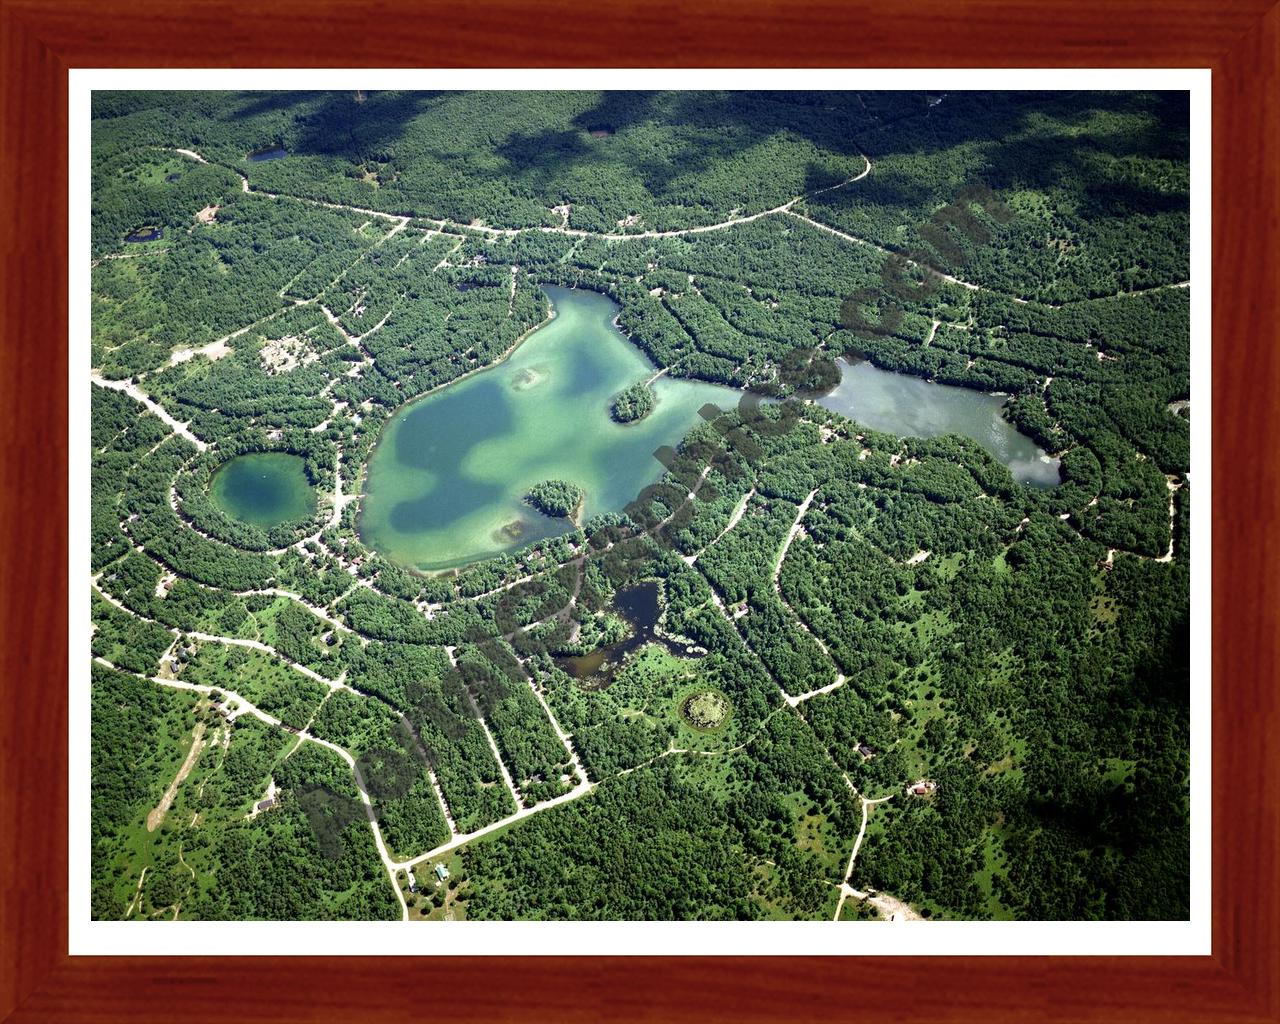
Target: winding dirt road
133,391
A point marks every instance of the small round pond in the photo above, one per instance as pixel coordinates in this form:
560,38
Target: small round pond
264,489
148,233
270,153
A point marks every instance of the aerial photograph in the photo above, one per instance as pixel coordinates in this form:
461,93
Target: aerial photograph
632,506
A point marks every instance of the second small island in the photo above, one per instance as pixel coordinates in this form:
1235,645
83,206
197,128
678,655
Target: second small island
557,498
633,403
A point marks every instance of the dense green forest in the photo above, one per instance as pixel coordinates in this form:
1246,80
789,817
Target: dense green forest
633,403
992,677
556,498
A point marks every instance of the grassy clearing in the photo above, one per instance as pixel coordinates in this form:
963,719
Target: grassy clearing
436,900
261,679
994,860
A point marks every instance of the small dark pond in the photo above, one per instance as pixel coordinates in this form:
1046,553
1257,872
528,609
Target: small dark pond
272,153
640,607
145,234
172,178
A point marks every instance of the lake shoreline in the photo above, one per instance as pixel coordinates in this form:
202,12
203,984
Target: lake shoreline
382,433
906,404
586,359
502,358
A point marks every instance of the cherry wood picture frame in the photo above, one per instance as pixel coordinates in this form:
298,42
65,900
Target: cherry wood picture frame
41,39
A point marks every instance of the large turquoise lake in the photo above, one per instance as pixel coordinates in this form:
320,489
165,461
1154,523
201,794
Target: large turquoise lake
447,479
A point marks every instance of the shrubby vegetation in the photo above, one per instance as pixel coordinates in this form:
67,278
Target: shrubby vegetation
260,863
203,859
127,640
538,762
664,161
1098,191
271,686
679,841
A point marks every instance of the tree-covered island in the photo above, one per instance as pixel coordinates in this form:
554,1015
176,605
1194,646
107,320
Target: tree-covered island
556,498
633,403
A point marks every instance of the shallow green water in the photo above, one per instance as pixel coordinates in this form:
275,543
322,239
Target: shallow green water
447,479
264,489
897,403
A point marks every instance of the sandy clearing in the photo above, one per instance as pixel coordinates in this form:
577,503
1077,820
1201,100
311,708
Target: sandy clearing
156,817
890,907
281,355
